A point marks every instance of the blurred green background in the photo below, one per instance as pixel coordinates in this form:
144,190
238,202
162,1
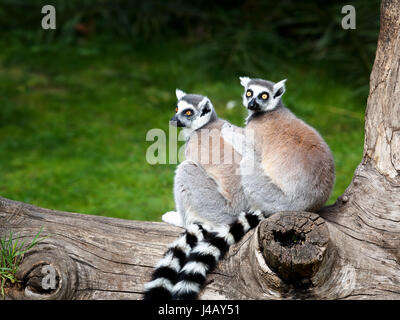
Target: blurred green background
76,102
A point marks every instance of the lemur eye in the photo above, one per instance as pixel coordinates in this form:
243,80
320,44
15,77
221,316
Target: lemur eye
264,96
249,93
176,109
188,113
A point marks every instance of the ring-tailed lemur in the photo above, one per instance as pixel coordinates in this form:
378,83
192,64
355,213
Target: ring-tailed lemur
292,166
286,167
207,189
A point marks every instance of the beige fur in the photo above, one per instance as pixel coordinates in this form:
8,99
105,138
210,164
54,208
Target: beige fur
293,155
218,159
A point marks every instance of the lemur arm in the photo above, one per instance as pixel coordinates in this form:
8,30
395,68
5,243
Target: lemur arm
235,136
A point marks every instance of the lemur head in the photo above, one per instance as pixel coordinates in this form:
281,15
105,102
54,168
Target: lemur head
193,111
261,95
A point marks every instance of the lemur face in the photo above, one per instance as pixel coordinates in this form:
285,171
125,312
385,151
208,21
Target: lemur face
261,95
192,110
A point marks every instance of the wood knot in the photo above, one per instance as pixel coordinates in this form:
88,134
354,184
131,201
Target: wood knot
294,244
46,273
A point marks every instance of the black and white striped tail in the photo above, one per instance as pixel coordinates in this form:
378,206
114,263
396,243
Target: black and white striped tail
207,253
167,269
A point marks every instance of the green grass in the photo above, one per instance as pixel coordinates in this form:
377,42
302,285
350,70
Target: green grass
11,255
73,120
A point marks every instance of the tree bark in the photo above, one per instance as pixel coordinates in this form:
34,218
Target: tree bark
350,250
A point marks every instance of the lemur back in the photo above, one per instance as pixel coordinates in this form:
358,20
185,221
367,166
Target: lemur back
293,166
217,172
208,197
294,157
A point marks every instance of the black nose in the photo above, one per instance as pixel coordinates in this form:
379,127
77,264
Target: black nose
176,122
253,105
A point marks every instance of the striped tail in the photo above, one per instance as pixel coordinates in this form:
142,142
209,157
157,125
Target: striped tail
207,253
167,269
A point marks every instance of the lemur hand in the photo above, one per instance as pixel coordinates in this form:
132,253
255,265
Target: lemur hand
235,136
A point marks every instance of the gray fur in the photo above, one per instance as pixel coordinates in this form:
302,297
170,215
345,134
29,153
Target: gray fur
205,191
193,99
292,166
261,82
201,108
197,197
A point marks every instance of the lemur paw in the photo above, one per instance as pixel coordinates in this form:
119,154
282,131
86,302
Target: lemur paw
172,217
234,137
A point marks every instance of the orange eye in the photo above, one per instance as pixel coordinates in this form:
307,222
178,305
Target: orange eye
188,113
176,109
249,93
264,96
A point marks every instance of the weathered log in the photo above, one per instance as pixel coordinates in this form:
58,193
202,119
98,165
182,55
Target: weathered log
350,250
94,257
105,258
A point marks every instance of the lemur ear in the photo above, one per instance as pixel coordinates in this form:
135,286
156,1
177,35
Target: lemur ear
279,89
244,81
205,106
179,94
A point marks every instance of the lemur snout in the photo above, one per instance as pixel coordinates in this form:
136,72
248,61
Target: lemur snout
253,105
176,122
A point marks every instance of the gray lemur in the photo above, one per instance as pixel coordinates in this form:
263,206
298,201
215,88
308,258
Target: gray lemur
208,197
207,184
285,166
